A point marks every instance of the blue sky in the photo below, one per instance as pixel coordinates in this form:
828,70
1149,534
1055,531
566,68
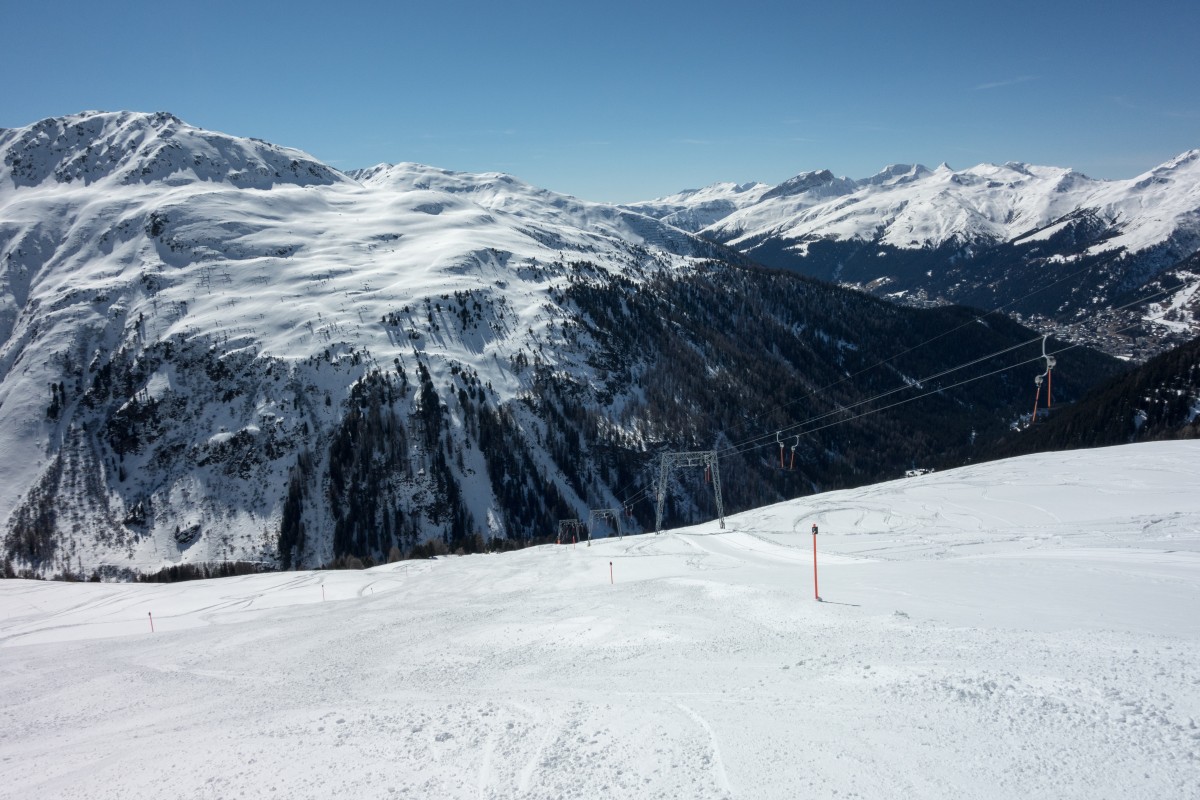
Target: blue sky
622,101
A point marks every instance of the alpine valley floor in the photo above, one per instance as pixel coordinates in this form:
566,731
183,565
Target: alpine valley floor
1025,628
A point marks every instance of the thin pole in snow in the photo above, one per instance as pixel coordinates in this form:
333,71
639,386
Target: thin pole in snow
816,592
610,573
322,593
149,614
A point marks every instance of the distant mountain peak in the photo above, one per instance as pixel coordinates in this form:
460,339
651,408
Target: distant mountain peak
819,182
895,174
1186,157
133,147
1185,162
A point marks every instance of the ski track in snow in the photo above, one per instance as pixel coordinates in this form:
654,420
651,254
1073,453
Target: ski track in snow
987,633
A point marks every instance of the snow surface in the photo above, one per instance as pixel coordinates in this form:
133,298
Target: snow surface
1017,629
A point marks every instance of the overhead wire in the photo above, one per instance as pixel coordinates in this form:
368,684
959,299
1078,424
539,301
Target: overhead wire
894,356
881,395
917,346
765,439
937,390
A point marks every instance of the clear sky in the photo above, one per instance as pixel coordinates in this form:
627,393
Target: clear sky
621,101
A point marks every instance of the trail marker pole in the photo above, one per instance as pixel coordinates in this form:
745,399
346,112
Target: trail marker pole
610,573
322,593
151,621
816,591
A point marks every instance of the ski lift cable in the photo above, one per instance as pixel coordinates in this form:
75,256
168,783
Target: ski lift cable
936,391
752,445
1052,355
908,399
759,441
890,392
754,442
917,346
747,447
764,438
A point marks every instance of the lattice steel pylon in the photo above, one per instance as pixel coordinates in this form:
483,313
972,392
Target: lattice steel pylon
604,513
698,458
566,527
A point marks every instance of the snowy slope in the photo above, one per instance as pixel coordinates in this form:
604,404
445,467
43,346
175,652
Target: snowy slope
506,194
1017,629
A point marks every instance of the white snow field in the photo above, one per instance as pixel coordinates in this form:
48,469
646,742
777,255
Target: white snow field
1018,629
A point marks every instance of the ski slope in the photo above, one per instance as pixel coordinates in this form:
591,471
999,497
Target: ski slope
1018,629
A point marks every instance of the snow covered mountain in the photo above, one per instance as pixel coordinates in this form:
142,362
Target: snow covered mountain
695,209
180,310
214,348
990,236
128,148
601,224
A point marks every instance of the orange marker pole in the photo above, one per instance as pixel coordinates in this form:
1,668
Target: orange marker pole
1049,386
816,592
151,621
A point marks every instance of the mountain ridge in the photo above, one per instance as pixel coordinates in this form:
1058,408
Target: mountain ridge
138,147
300,366
992,236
